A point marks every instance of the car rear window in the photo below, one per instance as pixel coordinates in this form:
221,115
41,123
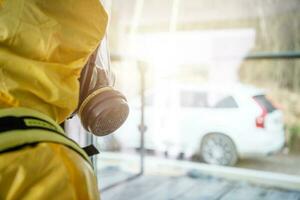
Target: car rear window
265,103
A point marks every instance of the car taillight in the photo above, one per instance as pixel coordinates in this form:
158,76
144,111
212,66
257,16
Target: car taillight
260,120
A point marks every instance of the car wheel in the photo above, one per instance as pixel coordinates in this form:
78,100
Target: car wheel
218,149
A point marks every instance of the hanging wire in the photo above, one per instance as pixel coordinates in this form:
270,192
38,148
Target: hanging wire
104,54
174,15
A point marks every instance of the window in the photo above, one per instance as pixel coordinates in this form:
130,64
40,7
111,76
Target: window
193,99
197,54
265,103
227,102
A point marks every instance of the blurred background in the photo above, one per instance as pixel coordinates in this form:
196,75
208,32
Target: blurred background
213,82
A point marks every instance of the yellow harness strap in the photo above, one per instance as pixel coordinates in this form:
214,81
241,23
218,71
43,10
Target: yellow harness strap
22,126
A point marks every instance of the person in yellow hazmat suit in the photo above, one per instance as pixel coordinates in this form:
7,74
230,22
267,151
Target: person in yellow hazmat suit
44,46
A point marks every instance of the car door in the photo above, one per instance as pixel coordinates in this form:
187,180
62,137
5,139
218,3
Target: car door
193,111
226,115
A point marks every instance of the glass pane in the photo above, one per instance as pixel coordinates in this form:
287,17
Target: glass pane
194,57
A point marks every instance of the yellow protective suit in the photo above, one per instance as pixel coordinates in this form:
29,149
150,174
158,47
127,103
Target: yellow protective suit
44,44
56,173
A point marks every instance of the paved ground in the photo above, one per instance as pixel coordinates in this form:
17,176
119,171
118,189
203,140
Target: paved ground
284,162
190,187
281,163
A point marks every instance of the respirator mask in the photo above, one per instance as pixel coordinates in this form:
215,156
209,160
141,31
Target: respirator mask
101,109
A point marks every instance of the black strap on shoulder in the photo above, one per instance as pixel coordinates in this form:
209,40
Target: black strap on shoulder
90,150
9,123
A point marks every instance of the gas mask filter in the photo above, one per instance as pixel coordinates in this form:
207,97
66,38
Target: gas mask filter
102,109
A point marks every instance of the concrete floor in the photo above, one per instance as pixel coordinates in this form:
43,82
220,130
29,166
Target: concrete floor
170,179
202,187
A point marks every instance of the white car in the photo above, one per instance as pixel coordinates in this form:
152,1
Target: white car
221,124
